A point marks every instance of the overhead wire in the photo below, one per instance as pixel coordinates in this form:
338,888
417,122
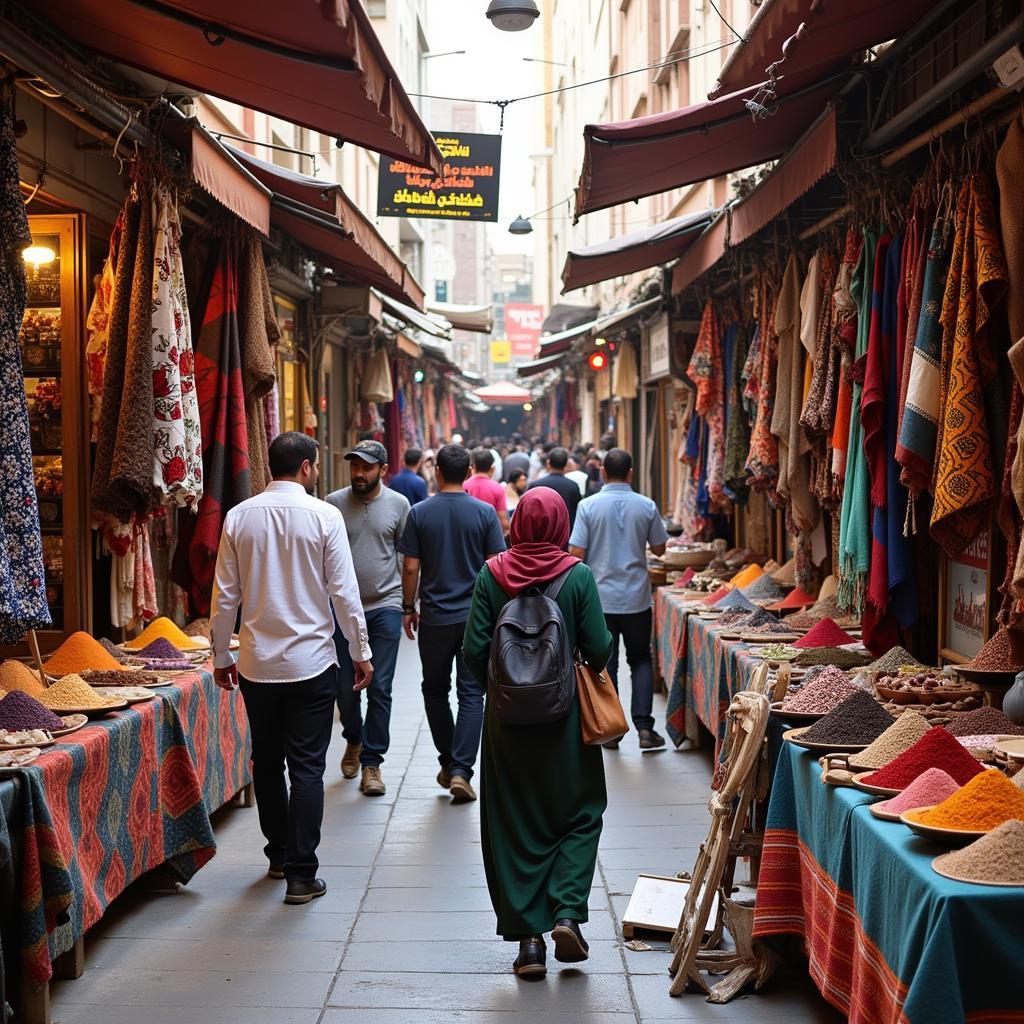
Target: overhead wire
721,17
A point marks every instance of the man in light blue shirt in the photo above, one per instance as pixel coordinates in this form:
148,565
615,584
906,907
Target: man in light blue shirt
611,534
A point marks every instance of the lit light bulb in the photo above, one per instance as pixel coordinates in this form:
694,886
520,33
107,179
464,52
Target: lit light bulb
527,407
418,376
38,255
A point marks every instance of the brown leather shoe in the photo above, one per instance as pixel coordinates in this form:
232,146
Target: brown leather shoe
444,778
371,783
462,792
350,762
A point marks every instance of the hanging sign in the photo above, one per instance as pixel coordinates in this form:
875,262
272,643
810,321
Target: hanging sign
466,190
522,326
966,596
656,362
501,352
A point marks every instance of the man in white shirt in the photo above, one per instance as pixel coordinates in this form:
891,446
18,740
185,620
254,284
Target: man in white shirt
284,558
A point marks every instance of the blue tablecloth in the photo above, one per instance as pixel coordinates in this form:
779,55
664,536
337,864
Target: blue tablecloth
887,938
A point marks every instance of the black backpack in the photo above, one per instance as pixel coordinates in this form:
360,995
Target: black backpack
530,675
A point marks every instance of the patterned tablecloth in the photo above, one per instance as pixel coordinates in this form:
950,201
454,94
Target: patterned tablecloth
122,796
702,671
888,939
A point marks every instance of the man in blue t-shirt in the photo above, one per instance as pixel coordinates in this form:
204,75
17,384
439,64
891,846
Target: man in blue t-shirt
408,482
446,541
612,531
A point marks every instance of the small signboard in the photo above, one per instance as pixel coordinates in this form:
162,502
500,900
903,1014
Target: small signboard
501,353
965,605
523,322
466,190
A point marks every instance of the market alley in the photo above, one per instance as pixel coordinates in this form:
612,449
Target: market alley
405,934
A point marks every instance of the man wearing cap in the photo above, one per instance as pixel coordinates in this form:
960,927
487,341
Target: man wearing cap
374,518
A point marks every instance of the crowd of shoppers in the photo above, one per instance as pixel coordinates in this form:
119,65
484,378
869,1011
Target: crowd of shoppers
441,549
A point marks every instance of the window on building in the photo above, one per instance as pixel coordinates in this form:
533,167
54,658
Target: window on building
377,8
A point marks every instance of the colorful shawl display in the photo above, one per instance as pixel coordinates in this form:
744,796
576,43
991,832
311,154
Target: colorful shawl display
737,431
855,520
705,370
763,458
789,386
225,438
915,448
964,473
122,483
844,327
259,331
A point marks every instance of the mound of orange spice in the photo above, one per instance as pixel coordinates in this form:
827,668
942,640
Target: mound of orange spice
988,800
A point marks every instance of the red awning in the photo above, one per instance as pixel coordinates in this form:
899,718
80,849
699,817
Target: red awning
792,36
642,157
218,172
637,250
506,393
703,254
319,215
797,172
316,63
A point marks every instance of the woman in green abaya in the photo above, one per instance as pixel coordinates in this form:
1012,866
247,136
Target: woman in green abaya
543,791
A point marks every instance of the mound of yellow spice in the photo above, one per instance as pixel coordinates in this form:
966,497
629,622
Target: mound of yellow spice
164,629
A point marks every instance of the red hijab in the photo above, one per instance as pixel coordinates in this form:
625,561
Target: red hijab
540,532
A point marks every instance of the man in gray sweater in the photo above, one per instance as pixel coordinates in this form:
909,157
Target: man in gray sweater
374,519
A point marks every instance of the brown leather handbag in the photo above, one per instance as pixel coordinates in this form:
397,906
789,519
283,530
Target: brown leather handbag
601,716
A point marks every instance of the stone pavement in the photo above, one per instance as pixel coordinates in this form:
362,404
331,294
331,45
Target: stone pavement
405,934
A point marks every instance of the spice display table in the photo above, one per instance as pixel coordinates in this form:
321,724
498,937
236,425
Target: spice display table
705,672
123,795
887,938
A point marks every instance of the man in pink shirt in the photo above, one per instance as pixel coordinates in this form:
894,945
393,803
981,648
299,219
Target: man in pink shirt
482,486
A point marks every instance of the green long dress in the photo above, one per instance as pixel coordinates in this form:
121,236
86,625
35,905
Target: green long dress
542,788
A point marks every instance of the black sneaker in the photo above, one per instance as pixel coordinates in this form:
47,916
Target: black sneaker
650,740
570,946
611,745
531,962
305,891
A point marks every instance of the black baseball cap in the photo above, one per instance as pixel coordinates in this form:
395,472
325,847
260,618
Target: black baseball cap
369,451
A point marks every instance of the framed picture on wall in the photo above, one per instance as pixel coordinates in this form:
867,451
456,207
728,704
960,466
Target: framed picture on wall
965,594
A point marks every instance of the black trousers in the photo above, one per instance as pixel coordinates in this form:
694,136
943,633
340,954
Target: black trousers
635,630
291,723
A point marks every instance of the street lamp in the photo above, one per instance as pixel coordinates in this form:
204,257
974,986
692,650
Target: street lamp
520,226
512,15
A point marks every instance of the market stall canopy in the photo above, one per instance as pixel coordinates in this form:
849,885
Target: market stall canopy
633,159
316,63
796,173
219,172
638,250
562,341
531,369
505,393
614,319
703,254
791,36
478,319
321,217
429,323
564,315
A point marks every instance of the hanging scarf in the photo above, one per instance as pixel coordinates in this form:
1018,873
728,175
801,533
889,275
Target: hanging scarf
97,323
122,482
964,474
540,534
844,327
915,255
763,458
705,370
915,449
259,332
177,442
790,378
221,393
737,432
855,521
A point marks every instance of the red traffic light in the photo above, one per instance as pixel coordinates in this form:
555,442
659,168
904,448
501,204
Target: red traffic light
597,361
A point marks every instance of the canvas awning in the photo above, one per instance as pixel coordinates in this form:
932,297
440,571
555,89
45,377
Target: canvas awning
564,315
321,217
536,366
637,250
703,254
797,172
505,393
647,155
610,320
478,319
217,171
562,341
429,323
316,63
794,36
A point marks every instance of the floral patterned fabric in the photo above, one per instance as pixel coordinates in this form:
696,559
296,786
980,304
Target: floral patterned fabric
706,372
22,581
763,460
964,472
178,448
97,323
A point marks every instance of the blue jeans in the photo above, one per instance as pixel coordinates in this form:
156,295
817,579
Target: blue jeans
384,626
635,630
457,741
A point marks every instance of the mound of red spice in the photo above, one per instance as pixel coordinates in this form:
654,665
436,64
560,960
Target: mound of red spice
825,634
716,595
935,749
